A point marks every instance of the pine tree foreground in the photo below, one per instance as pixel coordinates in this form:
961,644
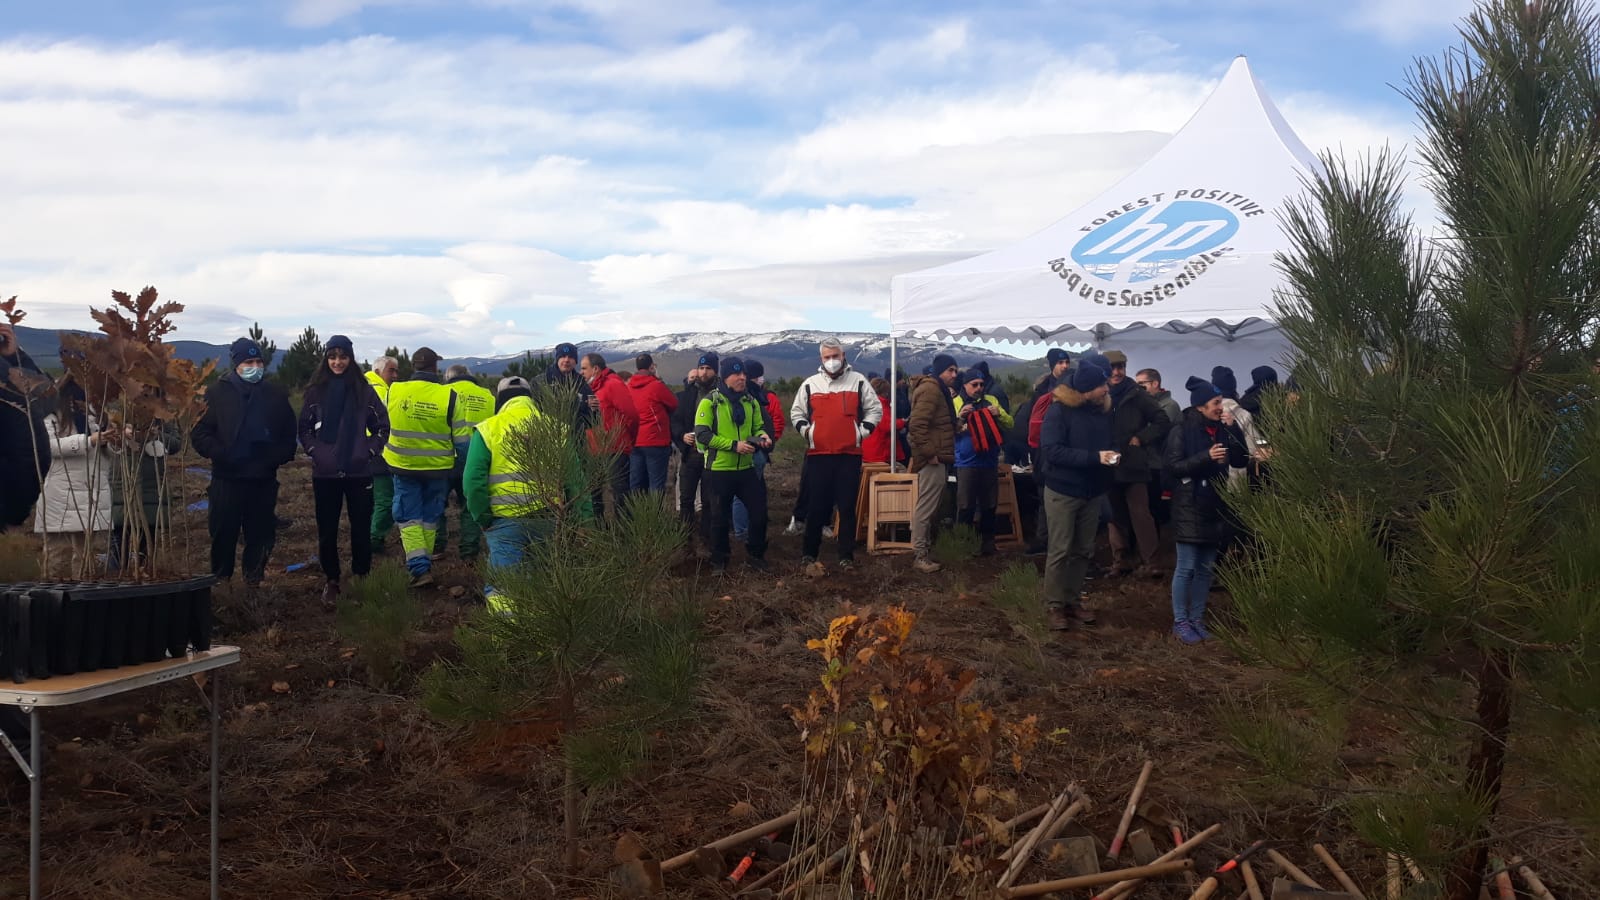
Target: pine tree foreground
1426,548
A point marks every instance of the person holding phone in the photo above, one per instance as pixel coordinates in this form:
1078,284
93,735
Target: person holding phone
1076,445
1199,453
730,429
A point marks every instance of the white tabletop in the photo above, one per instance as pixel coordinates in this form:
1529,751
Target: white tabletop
66,690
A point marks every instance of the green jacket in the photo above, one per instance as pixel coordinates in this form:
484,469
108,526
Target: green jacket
475,486
715,432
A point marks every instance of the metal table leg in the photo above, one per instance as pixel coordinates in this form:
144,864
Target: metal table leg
35,801
216,791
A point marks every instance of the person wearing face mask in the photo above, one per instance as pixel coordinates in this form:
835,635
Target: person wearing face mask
834,411
343,428
247,432
691,463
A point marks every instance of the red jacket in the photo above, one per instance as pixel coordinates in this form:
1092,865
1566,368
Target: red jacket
616,412
875,449
775,410
655,405
1036,419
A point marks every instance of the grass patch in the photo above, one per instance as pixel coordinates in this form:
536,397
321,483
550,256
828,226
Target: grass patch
19,556
1015,593
383,614
955,545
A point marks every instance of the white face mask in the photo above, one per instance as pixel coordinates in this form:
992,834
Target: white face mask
833,366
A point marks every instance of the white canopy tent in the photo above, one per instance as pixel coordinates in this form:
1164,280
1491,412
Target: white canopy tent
1173,265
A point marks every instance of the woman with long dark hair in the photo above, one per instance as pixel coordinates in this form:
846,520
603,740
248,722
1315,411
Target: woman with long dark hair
1199,453
343,427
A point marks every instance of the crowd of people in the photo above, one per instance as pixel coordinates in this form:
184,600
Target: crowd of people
1090,447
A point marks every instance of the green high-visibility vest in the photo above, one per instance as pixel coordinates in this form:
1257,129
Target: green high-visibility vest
511,494
473,405
419,427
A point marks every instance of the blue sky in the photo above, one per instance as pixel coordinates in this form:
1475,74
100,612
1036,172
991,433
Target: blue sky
490,175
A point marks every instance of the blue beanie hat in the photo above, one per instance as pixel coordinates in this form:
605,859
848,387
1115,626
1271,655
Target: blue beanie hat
565,349
708,359
971,375
1093,358
340,342
1261,375
942,363
754,369
731,366
1057,355
1086,377
244,350
1200,390
1222,377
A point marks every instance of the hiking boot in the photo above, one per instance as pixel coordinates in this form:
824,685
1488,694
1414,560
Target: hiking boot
1058,619
330,596
1199,627
847,562
422,580
1152,572
1084,617
796,527
987,548
756,563
1184,631
925,565
740,537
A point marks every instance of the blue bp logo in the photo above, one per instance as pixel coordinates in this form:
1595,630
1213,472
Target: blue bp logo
1140,247
1148,249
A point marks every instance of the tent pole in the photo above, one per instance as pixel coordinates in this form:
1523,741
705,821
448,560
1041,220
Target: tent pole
894,396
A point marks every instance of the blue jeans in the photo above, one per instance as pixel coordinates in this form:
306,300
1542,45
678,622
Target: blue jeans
508,541
418,507
1191,581
741,516
648,469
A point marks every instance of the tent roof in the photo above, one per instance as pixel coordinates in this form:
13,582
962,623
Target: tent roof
1184,243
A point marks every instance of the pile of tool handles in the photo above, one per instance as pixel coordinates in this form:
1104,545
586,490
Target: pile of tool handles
1052,819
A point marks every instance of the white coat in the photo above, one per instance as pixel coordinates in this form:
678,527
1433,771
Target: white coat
78,485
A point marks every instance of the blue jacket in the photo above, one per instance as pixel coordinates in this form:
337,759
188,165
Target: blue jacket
1074,432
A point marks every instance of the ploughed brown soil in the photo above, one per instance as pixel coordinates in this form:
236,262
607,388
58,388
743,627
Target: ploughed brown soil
335,789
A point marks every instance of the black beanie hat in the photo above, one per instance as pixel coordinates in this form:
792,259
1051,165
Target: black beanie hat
244,350
1222,378
1087,376
753,369
1261,375
1200,390
942,363
340,342
565,349
1057,355
708,359
970,375
731,366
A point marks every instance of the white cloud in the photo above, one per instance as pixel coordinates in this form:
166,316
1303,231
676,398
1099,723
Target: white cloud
1400,20
495,194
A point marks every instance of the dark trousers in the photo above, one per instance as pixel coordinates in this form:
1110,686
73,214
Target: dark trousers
721,490
832,481
333,495
617,472
691,479
249,505
1041,526
977,495
802,500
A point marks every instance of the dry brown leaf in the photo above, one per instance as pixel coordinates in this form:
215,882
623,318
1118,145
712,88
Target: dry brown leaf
742,810
292,666
280,687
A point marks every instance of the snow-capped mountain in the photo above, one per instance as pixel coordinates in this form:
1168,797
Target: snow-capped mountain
783,353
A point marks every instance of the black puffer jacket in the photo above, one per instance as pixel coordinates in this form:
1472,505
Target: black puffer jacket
247,431
1136,414
24,449
1198,514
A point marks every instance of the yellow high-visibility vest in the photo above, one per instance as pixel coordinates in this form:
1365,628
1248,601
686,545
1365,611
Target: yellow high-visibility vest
473,405
419,427
511,495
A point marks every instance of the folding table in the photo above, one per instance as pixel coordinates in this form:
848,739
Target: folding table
69,690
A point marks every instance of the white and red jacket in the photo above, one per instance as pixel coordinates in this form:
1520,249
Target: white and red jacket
835,413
